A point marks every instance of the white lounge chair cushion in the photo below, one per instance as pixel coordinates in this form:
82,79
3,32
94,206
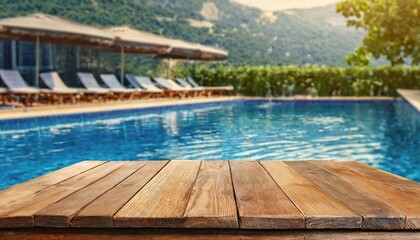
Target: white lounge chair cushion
178,87
183,83
192,81
114,85
56,84
14,81
90,83
225,88
147,84
28,90
169,84
132,80
195,85
187,85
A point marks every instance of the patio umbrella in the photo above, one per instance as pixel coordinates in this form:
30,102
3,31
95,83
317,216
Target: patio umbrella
192,51
51,29
134,41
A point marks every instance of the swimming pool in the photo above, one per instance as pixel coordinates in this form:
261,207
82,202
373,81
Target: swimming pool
383,134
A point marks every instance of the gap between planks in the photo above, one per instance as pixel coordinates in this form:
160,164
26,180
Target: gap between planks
215,194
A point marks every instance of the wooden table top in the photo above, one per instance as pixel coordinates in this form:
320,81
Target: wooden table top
214,194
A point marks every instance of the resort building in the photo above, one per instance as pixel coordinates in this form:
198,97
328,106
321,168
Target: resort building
66,59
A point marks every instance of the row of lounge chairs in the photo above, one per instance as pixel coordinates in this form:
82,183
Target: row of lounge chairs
56,91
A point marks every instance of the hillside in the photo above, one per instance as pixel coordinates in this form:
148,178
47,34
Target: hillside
309,36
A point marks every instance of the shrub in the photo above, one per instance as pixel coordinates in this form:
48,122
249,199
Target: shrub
307,80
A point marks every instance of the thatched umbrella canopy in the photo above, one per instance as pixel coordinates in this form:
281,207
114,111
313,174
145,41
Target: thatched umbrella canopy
135,41
51,29
212,53
193,51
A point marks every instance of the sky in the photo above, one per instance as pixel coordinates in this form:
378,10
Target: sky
275,5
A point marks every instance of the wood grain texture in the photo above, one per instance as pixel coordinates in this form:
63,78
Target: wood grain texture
32,186
59,214
385,177
408,202
162,202
212,202
320,209
376,213
100,213
241,195
261,203
20,212
199,234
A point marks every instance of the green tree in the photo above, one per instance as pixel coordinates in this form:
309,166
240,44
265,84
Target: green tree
393,29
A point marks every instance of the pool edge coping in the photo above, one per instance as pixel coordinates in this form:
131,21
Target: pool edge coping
50,111
411,96
64,110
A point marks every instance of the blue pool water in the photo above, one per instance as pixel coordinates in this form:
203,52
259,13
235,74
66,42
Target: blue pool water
384,134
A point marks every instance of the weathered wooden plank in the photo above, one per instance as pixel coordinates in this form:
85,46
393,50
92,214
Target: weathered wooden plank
59,214
199,234
408,202
376,213
321,210
100,213
261,203
20,212
32,186
365,235
385,177
162,202
212,202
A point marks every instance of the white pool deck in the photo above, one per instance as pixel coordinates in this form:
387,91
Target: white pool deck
28,112
40,111
411,96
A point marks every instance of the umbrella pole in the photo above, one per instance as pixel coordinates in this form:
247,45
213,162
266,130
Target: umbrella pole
122,65
37,53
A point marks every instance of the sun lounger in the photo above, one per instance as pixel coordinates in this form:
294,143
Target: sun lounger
213,89
174,88
93,89
185,84
143,84
17,87
200,90
115,86
53,81
14,81
132,80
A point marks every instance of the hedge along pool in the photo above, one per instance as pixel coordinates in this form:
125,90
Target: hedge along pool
383,134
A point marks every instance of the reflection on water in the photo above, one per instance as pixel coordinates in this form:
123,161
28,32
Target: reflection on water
384,135
170,123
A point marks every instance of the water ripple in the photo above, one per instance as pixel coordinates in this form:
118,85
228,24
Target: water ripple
385,135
